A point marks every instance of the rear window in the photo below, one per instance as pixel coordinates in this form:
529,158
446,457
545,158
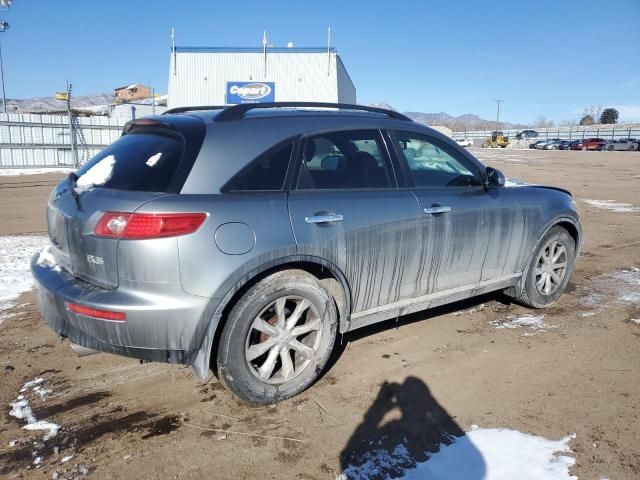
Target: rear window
144,162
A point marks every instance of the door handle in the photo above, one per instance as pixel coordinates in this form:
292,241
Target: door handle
437,209
326,218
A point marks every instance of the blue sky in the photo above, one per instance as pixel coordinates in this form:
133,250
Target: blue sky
548,58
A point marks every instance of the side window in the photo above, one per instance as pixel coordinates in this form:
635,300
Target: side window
265,173
345,160
431,166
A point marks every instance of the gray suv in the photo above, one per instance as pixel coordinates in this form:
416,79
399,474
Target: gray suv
243,239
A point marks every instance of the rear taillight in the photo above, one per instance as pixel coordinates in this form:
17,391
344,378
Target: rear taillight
97,313
136,226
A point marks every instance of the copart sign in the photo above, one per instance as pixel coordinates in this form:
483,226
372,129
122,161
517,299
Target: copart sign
250,92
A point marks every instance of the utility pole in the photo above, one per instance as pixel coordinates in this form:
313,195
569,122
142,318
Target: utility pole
4,26
498,101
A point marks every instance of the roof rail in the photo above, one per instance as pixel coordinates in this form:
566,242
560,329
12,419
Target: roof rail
190,109
236,112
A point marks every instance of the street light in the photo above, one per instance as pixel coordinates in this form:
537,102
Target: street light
4,26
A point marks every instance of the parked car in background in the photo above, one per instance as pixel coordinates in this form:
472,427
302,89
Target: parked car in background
589,144
552,144
178,243
535,145
526,134
620,145
543,144
566,144
464,142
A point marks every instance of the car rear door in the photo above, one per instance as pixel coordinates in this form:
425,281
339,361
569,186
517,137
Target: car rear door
470,235
346,208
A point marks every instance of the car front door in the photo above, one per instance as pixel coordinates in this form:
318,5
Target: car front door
471,235
346,208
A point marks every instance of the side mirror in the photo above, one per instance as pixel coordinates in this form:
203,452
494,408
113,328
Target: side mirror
494,178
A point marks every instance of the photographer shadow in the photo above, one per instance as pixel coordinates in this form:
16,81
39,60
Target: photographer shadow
401,429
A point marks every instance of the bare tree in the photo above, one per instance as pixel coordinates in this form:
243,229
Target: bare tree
567,123
594,111
542,122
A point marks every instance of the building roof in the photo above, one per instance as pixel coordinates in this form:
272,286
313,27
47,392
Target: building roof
126,87
253,49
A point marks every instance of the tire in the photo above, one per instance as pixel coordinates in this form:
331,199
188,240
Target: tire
239,340
610,148
534,296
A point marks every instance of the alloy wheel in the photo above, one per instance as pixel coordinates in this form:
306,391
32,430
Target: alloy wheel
283,339
551,267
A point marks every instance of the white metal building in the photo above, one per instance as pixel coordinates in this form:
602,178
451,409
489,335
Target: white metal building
225,76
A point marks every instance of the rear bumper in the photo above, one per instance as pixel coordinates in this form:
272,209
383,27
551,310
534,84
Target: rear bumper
163,323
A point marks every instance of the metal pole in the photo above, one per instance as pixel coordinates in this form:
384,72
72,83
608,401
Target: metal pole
72,131
153,101
4,98
328,51
498,101
173,49
264,51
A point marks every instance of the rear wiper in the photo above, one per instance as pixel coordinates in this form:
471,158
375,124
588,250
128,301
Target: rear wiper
73,178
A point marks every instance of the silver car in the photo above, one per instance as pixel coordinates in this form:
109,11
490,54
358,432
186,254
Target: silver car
244,239
626,145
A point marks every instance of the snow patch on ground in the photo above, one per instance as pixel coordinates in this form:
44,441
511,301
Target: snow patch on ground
612,206
470,311
627,285
622,287
12,172
15,273
481,454
21,409
535,322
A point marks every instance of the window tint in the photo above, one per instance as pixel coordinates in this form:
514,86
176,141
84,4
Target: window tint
265,173
137,161
431,166
344,160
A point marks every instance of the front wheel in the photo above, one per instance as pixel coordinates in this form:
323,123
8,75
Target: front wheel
277,338
549,269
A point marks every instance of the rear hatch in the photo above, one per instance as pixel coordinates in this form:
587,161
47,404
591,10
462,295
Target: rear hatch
153,158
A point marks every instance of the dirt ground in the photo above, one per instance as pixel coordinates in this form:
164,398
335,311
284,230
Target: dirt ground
431,374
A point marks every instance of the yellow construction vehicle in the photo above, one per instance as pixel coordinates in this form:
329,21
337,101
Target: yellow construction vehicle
496,140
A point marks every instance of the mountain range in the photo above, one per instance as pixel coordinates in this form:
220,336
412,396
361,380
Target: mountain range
468,121
48,104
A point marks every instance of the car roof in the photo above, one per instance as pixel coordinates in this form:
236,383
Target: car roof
230,145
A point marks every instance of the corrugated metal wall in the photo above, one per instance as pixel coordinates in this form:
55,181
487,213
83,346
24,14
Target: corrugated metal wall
201,75
44,140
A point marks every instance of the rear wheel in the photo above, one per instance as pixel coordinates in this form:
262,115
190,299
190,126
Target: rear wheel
277,338
549,270
610,148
